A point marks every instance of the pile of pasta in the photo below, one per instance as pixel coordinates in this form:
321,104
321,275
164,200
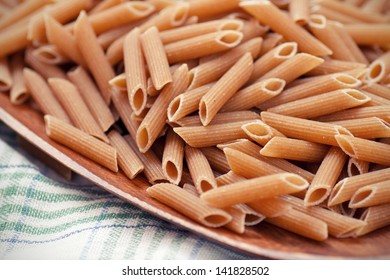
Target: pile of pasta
236,112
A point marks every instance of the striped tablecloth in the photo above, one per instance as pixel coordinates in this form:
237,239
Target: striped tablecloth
43,216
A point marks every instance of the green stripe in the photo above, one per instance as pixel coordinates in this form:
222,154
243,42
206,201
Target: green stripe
175,246
51,215
155,243
110,244
13,226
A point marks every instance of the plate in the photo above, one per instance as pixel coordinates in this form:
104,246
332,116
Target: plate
262,240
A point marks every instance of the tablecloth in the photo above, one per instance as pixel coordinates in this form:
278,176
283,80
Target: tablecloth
44,216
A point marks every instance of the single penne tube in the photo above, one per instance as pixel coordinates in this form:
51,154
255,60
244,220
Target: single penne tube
300,11
107,38
376,100
45,70
357,167
216,159
363,149
13,39
62,11
313,87
255,189
369,34
193,30
21,11
322,104
352,11
330,66
5,75
119,82
271,207
366,128
66,43
381,112
254,95
135,72
252,217
237,224
273,58
104,5
93,55
155,120
213,69
260,132
18,93
172,159
326,33
294,149
268,14
50,54
371,195
221,118
224,89
325,177
301,224
119,15
247,147
323,133
339,226
74,105
156,58
207,44
189,205
81,142
43,96
128,160
294,67
92,97
379,69
200,170
186,103
211,135
344,189
271,40
376,217
152,164
210,8
249,167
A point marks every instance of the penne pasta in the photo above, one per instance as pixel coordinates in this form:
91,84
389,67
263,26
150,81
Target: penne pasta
128,160
271,207
366,128
172,159
330,66
207,44
271,40
5,75
323,133
344,189
357,167
135,72
211,135
294,149
254,95
322,104
209,8
93,55
371,195
13,39
325,177
49,54
376,217
200,170
189,205
216,159
43,96
18,93
81,142
224,89
363,149
260,132
378,90
379,69
70,98
156,58
300,11
381,112
369,34
92,97
254,189
104,5
155,120
268,14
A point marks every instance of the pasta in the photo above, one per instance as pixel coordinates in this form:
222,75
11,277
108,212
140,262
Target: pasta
81,142
371,195
260,132
376,217
5,75
300,11
172,159
366,128
18,92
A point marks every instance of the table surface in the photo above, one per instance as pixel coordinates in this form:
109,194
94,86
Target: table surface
44,216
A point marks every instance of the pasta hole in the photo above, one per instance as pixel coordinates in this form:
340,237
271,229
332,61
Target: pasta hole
138,99
4,85
175,105
287,50
215,219
203,111
230,37
140,7
360,196
356,94
296,181
346,146
171,170
318,195
376,71
251,219
180,14
257,129
143,138
231,25
343,131
205,186
48,56
274,85
21,98
353,169
346,79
